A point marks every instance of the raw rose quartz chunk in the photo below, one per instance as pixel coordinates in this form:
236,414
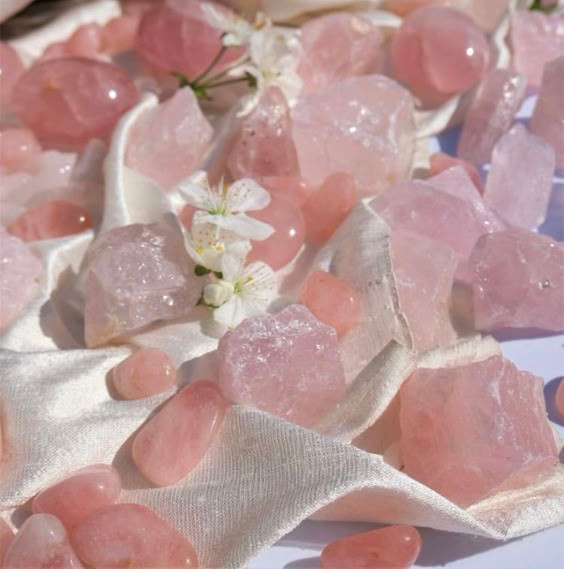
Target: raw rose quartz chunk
439,162
42,542
137,274
559,399
518,279
520,179
146,372
490,115
19,150
50,99
287,364
332,301
133,536
293,188
86,41
168,142
474,430
174,441
362,126
119,34
264,146
11,68
386,548
6,538
80,494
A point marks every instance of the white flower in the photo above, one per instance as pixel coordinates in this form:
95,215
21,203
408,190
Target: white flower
236,30
218,292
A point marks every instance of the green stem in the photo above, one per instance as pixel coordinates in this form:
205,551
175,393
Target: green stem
227,70
210,66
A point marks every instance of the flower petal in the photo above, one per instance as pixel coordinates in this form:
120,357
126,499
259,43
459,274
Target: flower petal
216,18
198,195
246,195
233,259
261,286
244,226
232,313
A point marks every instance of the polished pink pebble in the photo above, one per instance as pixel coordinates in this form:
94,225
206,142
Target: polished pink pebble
86,41
119,34
174,441
11,68
293,188
439,162
144,373
130,535
19,150
6,538
559,399
53,51
80,494
392,547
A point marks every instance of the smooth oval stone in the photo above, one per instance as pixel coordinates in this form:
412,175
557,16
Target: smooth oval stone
6,539
19,150
133,536
174,441
293,188
559,399
86,41
118,34
53,51
146,372
50,99
439,162
11,68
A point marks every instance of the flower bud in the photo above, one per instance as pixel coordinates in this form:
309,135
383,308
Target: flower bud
218,293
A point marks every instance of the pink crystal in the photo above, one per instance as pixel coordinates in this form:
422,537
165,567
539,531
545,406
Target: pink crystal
11,69
119,34
362,126
51,99
19,150
86,41
439,162
287,364
490,115
53,51
133,536
474,430
559,399
293,188
6,538
80,494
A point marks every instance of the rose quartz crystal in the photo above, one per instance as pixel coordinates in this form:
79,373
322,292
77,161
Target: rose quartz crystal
118,34
6,539
168,142
41,543
19,150
362,126
174,441
474,430
490,115
518,279
559,399
287,364
146,372
386,548
137,274
86,41
439,162
11,68
520,179
264,146
50,98
132,536
293,188
332,301
80,494
337,46
53,51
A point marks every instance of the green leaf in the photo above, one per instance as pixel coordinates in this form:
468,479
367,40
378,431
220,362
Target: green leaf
538,6
201,271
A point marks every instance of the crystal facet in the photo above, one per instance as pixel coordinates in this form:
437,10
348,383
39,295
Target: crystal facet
19,150
439,162
86,41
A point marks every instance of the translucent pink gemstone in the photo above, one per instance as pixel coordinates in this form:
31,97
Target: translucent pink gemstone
86,41
146,372
293,188
474,430
559,399
54,51
11,68
19,150
439,162
80,494
119,34
332,301
6,538
287,364
174,441
51,97
133,536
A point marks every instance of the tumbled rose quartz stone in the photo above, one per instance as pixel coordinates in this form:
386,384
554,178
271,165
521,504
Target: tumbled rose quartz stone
386,548
474,430
11,68
86,41
490,115
362,126
19,150
50,99
439,162
174,441
6,538
53,51
518,279
287,364
293,188
146,372
119,34
132,536
80,494
559,399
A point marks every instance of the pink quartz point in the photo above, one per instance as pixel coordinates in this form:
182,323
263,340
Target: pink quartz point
362,126
50,98
490,115
475,430
6,539
293,188
439,162
41,543
520,179
11,69
168,142
518,278
19,150
331,300
146,372
559,399
287,364
133,536
176,439
119,34
392,547
80,494
86,41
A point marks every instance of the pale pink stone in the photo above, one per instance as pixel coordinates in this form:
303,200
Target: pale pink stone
559,399
520,179
490,115
53,51
11,69
474,430
132,536
362,126
287,364
41,543
6,539
439,162
146,372
80,494
518,279
168,142
119,34
137,274
19,150
337,46
86,41
293,188
174,441
51,99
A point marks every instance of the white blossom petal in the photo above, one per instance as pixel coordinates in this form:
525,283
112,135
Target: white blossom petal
261,284
244,226
237,31
198,195
246,195
233,260
232,313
